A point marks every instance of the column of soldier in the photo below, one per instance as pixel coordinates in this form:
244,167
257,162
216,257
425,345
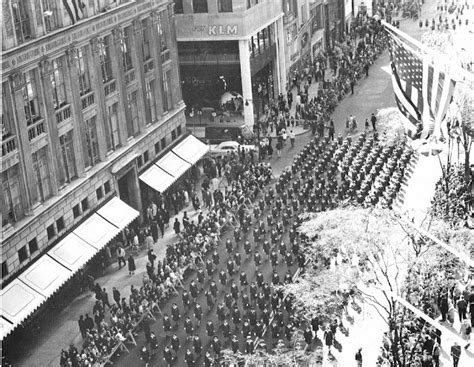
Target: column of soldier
296,190
245,302
363,172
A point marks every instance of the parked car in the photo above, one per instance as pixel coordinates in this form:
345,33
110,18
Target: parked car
226,147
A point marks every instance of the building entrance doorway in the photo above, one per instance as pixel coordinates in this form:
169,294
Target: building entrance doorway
128,189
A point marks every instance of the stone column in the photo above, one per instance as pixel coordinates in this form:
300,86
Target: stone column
136,41
95,75
155,49
176,96
26,162
72,87
281,59
119,75
246,77
54,151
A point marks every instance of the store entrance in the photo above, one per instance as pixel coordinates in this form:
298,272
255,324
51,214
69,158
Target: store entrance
128,189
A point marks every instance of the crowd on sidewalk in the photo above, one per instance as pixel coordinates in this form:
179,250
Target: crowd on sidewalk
349,61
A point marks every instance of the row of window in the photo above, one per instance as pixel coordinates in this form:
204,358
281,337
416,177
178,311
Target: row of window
55,14
201,6
56,228
262,41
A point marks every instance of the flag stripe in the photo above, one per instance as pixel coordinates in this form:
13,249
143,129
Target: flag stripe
441,87
69,11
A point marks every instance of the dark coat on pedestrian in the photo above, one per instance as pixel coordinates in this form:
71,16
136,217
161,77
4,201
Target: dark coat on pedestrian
131,264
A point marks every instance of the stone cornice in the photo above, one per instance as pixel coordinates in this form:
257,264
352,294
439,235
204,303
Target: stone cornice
31,52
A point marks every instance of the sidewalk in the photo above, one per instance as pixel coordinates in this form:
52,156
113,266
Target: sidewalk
63,330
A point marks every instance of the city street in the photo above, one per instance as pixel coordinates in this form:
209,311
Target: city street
60,329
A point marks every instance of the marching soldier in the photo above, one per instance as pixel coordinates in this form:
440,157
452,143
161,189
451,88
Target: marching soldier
166,324
228,246
168,356
260,279
208,361
257,258
188,328
236,318
198,313
245,301
228,301
175,314
193,289
274,258
223,278
210,301
175,344
265,316
213,288
186,299
238,259
210,330
215,257
253,291
266,248
234,290
248,249
220,312
234,344
243,279
226,329
209,267
249,345
197,345
189,358
275,278
201,277
230,267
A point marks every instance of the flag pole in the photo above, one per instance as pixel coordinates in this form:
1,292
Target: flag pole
456,73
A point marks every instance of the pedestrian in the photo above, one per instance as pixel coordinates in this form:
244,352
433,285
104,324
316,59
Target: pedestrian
177,226
456,354
352,86
82,326
131,265
328,338
292,138
120,256
331,129
116,296
462,307
358,357
373,119
105,298
436,353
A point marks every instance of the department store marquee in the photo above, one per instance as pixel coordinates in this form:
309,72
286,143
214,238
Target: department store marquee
82,31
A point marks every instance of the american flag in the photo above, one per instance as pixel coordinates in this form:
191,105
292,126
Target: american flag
422,91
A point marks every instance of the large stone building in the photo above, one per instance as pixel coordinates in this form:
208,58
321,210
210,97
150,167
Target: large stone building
234,46
90,98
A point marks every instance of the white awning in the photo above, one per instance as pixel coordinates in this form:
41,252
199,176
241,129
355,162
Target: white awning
45,276
191,149
118,213
5,328
156,178
72,252
96,231
173,165
19,301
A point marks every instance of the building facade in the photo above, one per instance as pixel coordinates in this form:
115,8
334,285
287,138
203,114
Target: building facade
231,55
90,97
